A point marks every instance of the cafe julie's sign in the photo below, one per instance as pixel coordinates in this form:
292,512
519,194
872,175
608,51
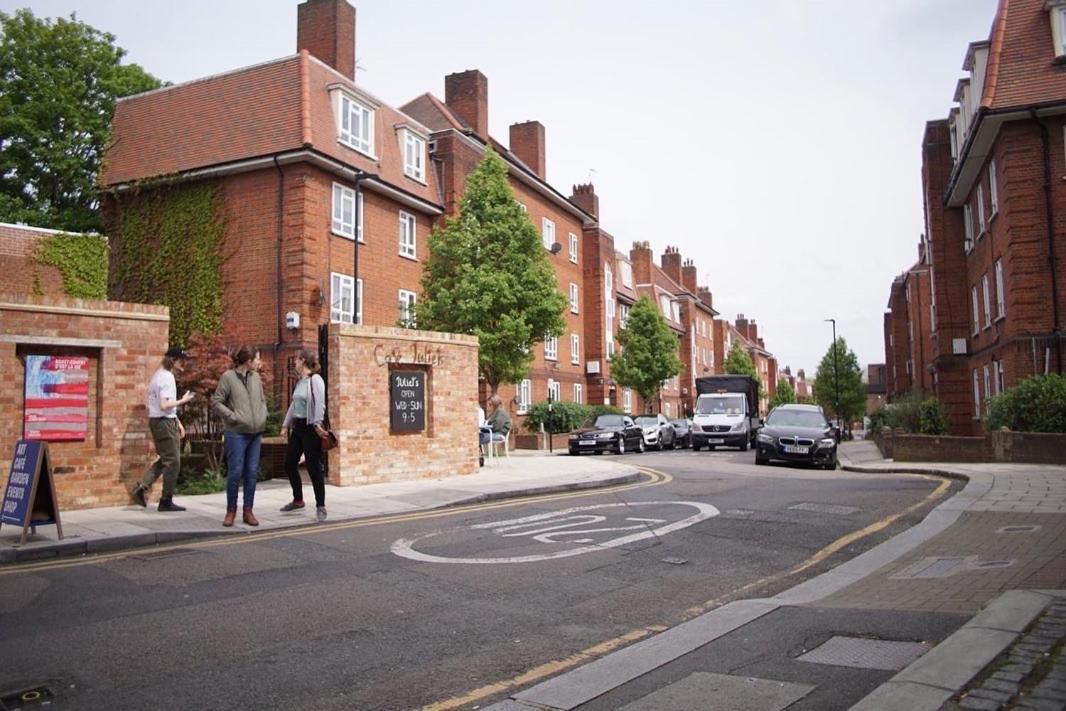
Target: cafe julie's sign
415,354
407,400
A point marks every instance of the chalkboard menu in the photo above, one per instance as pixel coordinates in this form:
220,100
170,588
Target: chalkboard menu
407,397
29,499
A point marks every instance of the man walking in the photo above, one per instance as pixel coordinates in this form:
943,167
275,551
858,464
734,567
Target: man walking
167,431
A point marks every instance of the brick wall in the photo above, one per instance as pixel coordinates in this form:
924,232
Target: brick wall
359,405
124,344
22,274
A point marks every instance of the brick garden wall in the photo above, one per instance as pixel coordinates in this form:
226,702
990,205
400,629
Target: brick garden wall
23,274
124,343
1003,446
360,359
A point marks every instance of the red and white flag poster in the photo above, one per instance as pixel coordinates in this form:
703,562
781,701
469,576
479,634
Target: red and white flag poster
57,398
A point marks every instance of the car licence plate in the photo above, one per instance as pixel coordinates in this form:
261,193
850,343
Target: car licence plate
587,441
715,440
793,449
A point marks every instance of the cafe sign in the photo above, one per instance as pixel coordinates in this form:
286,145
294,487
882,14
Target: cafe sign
407,400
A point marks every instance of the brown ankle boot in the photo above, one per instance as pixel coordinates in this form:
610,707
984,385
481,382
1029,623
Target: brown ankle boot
249,517
230,515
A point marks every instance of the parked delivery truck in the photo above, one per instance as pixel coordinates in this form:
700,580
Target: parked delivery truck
727,412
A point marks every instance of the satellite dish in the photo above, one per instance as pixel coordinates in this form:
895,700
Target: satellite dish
556,248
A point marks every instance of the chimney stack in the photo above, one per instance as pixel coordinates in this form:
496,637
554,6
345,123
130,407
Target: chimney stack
326,29
705,296
688,276
584,196
742,325
640,257
467,94
527,142
671,261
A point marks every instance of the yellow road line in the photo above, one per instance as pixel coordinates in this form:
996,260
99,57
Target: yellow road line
655,478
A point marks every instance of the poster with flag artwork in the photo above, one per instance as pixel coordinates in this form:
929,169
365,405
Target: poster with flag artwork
57,398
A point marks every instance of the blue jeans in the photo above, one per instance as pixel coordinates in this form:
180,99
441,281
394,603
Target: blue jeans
242,463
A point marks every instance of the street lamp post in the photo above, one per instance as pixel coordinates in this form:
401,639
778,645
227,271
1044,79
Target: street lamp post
836,380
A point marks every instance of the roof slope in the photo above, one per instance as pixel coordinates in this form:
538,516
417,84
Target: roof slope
1021,63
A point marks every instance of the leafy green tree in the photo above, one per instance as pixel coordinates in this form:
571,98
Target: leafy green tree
490,276
1036,404
648,353
843,386
563,416
739,362
783,395
59,80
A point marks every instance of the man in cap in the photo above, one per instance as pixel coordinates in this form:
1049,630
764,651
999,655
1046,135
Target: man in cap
167,431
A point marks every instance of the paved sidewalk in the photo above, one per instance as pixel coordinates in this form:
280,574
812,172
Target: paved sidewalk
994,553
121,527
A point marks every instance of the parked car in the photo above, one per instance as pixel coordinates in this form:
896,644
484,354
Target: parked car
607,433
683,432
658,432
797,433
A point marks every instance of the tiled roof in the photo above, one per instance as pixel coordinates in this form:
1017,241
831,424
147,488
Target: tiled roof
249,113
1021,68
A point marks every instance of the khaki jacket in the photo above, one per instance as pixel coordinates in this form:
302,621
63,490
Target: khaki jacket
240,402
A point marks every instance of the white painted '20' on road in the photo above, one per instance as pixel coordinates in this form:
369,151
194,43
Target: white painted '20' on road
576,525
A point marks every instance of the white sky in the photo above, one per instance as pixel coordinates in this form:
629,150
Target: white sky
776,143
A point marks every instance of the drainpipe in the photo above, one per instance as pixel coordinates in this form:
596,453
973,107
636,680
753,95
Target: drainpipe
358,178
277,273
1045,143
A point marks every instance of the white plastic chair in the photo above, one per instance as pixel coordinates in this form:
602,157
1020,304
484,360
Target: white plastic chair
497,440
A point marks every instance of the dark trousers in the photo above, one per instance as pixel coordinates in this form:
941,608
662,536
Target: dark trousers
167,440
304,440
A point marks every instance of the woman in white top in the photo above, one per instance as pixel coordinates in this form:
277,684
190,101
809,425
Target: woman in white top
302,427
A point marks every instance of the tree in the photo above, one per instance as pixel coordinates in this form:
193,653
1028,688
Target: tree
784,395
648,354
845,387
59,81
489,275
738,362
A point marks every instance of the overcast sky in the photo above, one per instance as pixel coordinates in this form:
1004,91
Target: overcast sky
775,143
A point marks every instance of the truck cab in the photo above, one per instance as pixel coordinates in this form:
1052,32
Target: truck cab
725,412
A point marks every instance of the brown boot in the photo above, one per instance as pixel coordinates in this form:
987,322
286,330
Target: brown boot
249,517
230,515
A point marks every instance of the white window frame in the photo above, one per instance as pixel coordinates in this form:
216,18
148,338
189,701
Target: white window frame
555,390
573,298
341,282
525,396
981,210
993,189
976,395
625,272
1001,296
414,156
364,140
407,299
547,232
575,349
579,393
1058,29
344,200
408,235
573,248
664,305
967,224
551,348
627,400
987,292
623,314
988,386
675,310
1001,380
976,310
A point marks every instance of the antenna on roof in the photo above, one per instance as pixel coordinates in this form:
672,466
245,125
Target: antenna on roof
591,171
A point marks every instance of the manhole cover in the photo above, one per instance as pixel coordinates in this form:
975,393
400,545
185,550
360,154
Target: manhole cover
1018,529
169,553
824,508
26,698
864,653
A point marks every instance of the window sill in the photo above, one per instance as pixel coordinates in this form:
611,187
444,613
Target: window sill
350,238
407,256
999,318
357,149
993,216
573,260
420,181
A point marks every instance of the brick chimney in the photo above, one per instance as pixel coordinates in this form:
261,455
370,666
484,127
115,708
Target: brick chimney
326,29
705,296
640,257
671,261
527,142
741,325
688,276
584,196
467,94
753,332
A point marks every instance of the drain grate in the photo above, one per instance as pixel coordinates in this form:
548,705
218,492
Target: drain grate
824,508
943,567
1018,529
26,698
862,653
167,553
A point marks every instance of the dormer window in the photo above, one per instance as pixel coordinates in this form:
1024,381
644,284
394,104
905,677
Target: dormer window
355,124
414,155
1057,10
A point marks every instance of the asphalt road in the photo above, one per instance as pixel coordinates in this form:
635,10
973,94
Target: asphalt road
451,608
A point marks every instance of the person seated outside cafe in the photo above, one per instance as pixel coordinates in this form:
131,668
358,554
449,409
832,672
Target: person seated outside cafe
499,421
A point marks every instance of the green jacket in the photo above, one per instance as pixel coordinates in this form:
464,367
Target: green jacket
240,402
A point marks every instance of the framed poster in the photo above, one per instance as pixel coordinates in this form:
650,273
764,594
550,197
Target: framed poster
57,398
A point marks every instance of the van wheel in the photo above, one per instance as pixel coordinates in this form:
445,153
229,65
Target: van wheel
744,446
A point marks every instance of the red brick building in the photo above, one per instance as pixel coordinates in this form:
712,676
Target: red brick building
995,208
746,333
23,273
909,323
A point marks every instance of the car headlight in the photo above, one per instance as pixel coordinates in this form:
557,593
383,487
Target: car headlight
574,436
738,426
827,442
766,439
605,435
650,430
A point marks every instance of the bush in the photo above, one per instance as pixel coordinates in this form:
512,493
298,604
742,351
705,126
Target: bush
1036,404
209,481
565,416
913,415
597,410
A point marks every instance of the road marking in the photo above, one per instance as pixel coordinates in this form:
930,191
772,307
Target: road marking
655,478
549,527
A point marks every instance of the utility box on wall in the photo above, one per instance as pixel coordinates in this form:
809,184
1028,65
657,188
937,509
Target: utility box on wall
402,402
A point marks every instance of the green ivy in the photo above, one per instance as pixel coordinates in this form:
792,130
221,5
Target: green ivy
168,250
80,259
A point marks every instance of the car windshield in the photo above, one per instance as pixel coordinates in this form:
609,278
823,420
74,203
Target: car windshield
604,421
647,421
720,405
796,418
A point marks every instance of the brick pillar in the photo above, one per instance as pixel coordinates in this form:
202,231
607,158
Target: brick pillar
467,94
326,29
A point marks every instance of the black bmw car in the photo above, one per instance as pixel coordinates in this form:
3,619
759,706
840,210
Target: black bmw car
607,433
797,433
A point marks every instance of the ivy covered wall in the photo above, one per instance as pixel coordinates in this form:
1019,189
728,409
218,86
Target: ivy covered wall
81,260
